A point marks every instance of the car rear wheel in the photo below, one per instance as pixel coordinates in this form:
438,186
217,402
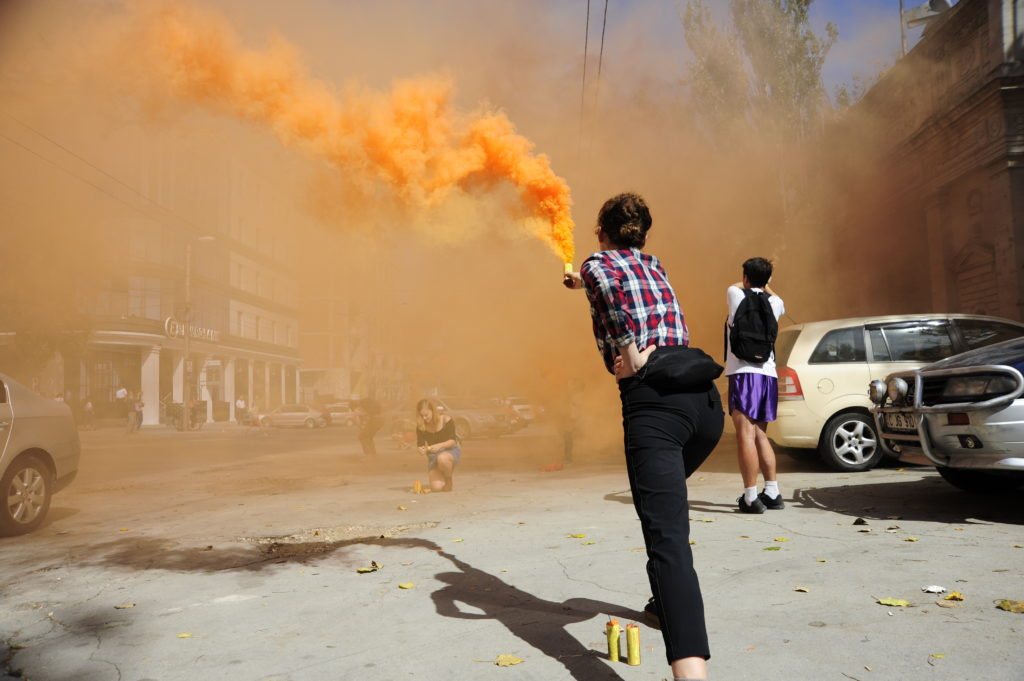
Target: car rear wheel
981,482
849,443
310,423
462,429
26,490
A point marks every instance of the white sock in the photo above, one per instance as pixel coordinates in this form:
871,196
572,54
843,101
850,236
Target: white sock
771,489
749,494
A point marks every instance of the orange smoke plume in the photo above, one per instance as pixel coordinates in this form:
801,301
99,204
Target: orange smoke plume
411,139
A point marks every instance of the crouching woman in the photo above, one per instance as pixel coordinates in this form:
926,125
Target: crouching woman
435,438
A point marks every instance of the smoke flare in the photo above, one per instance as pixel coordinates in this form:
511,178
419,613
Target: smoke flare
412,139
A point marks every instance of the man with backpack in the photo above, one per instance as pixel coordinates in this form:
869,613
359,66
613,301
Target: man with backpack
751,329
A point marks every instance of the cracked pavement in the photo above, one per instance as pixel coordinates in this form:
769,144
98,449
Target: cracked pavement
220,557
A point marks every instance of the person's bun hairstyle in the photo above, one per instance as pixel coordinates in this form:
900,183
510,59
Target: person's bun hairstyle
625,220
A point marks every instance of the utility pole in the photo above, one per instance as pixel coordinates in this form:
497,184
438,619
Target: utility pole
903,32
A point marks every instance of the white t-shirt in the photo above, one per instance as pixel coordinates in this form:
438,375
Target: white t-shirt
121,394
735,365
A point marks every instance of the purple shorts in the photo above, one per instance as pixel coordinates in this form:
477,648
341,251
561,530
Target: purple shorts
755,395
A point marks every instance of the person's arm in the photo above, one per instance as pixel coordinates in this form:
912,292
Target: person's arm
631,360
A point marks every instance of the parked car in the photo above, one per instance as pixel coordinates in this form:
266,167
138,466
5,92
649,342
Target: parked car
479,417
39,452
342,414
823,368
964,415
521,406
294,415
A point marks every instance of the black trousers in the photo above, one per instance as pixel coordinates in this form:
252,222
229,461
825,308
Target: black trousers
667,437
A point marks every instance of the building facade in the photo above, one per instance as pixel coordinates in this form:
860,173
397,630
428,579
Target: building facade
951,114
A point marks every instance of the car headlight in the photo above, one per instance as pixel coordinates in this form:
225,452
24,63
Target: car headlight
877,392
975,386
897,389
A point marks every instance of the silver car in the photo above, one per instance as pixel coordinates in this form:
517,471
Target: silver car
39,452
295,415
964,415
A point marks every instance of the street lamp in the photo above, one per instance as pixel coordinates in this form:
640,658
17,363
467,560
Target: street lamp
186,412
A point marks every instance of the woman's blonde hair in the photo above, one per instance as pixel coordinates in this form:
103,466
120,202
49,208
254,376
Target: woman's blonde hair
435,408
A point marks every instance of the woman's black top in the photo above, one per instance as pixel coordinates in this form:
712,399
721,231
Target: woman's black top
425,438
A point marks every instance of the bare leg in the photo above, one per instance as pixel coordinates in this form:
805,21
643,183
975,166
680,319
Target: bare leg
746,447
690,668
441,474
765,453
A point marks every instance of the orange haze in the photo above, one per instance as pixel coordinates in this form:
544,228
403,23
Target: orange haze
411,139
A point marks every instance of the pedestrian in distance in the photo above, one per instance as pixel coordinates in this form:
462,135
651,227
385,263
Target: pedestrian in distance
436,439
241,412
88,414
370,421
135,413
751,329
668,432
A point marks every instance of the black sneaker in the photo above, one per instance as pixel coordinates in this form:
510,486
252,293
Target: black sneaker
757,506
776,504
651,611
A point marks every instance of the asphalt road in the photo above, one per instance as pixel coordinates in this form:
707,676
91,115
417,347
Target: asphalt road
227,554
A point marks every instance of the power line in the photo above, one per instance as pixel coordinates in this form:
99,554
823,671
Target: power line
583,89
600,56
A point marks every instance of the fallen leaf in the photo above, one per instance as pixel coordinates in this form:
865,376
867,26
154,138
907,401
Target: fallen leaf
894,602
865,530
910,539
124,606
1010,606
958,529
406,585
781,539
637,550
935,656
954,596
456,541
894,517
772,548
587,543
184,635
506,660
934,589
1018,546
122,529
744,536
577,536
402,508
820,560
892,528
802,589
207,548
947,604
706,520
692,543
374,566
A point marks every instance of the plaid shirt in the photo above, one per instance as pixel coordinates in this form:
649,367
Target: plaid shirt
631,300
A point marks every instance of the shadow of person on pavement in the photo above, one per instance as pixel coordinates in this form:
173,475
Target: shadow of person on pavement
538,622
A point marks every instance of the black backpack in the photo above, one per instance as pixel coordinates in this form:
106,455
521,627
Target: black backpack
754,328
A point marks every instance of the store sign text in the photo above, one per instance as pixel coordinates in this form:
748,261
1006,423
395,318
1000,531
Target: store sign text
175,329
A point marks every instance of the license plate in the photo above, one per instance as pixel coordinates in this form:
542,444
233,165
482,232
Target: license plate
904,422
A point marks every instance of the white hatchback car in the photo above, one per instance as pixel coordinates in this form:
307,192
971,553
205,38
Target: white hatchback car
824,369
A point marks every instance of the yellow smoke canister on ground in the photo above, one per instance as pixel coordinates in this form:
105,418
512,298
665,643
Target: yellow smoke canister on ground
632,644
612,629
417,487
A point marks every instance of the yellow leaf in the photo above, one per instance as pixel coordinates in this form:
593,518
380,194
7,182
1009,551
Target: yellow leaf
894,602
577,536
954,596
456,541
184,635
820,560
122,529
406,585
706,520
1018,546
744,536
124,606
374,566
692,543
910,539
1010,606
402,508
772,548
506,660
802,589
781,539
588,543
937,656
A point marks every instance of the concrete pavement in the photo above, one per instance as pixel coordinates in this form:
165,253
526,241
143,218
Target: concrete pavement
248,570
